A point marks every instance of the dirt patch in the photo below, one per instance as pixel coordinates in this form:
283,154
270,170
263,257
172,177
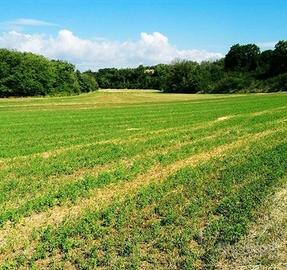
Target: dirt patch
133,129
223,118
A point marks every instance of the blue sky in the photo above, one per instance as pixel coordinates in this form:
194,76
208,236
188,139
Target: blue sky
202,25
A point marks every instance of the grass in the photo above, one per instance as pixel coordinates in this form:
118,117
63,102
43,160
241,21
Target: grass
139,179
265,245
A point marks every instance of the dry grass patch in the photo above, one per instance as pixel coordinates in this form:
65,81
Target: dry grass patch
265,246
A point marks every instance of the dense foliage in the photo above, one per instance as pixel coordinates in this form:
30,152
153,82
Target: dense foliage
245,68
27,74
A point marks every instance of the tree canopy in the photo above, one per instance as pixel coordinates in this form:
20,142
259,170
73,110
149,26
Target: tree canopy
27,74
244,69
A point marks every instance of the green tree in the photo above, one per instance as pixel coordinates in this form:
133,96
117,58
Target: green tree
66,79
87,81
279,61
242,57
183,77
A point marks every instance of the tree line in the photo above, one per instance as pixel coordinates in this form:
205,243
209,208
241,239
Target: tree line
244,69
27,74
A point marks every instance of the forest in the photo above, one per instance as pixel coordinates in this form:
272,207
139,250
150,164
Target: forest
245,68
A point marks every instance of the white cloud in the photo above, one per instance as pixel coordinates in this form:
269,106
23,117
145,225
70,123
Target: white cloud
267,45
93,54
21,23
30,22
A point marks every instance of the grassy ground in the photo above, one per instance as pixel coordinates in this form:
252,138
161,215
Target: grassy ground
265,245
142,180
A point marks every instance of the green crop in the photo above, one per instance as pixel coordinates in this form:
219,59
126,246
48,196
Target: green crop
152,181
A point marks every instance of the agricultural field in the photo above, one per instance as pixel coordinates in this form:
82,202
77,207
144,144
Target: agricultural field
144,180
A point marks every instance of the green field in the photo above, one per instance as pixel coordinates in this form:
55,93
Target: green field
143,180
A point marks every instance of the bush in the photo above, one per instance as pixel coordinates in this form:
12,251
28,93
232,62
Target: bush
232,83
279,83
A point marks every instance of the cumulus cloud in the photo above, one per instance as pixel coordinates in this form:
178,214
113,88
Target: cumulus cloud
149,49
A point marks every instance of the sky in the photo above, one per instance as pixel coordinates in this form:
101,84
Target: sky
94,34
